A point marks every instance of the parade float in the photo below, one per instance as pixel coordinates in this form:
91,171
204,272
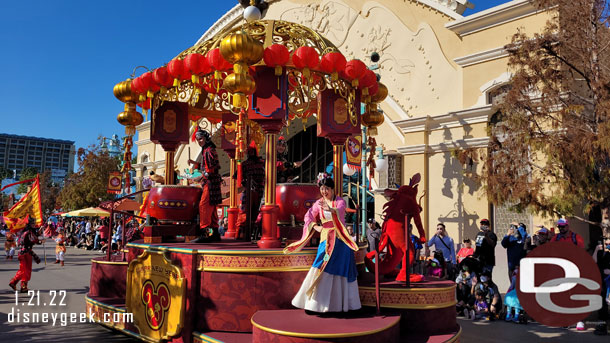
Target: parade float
252,79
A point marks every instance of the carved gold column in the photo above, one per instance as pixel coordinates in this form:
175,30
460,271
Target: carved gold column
270,237
233,210
169,167
338,169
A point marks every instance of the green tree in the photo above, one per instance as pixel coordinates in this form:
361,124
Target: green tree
4,173
550,149
87,187
26,174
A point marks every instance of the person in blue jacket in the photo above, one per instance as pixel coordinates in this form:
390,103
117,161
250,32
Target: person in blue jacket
514,243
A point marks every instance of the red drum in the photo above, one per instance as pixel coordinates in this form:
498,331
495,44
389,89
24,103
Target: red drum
294,200
174,203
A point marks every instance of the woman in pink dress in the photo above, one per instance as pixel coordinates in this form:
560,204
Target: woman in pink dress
330,285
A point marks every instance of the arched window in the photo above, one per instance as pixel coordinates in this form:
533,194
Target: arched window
144,157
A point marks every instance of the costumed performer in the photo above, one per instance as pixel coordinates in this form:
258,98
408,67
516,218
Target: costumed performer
253,183
285,170
60,247
330,285
27,239
9,245
210,182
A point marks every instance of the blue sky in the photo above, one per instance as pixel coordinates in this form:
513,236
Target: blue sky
61,58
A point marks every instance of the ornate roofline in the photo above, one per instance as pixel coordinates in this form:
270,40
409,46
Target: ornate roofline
491,17
450,8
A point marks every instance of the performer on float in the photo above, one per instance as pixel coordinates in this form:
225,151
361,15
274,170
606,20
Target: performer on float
285,170
60,247
27,239
253,183
210,182
9,245
330,285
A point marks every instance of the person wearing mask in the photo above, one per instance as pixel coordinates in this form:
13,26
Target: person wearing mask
485,243
601,256
539,238
465,251
491,294
514,243
565,234
443,243
373,233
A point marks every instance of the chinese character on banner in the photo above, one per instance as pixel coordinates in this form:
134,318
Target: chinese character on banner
114,182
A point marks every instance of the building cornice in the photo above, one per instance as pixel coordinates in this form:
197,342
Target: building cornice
481,56
450,8
494,16
143,142
154,164
468,143
453,119
227,20
145,125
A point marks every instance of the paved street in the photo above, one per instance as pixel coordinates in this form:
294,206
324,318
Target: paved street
74,278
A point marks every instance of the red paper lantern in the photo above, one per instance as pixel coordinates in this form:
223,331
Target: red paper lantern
276,56
217,62
374,88
145,104
176,69
333,63
354,70
137,88
162,78
366,81
148,83
197,64
305,58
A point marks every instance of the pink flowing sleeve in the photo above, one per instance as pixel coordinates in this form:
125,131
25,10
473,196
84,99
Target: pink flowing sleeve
310,220
312,215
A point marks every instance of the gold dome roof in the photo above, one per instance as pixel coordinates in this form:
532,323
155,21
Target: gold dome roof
270,32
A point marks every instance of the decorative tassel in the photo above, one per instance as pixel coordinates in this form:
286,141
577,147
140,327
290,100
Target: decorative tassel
306,73
142,97
278,70
355,83
334,76
176,82
150,94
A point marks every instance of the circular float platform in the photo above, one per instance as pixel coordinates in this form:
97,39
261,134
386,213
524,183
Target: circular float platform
426,307
297,326
108,278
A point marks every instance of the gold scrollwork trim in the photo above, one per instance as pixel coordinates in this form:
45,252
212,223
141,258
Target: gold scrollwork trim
456,337
410,290
252,269
161,249
323,335
109,262
199,337
104,306
413,306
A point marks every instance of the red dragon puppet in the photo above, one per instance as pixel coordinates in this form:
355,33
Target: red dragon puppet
403,202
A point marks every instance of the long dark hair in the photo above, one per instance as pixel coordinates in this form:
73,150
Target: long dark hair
326,180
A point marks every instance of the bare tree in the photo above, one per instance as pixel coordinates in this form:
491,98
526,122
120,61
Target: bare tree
550,150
